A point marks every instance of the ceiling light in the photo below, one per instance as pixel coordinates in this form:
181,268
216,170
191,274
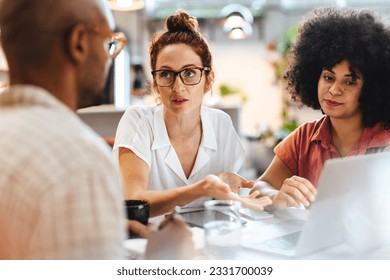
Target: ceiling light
126,5
237,21
238,9
236,34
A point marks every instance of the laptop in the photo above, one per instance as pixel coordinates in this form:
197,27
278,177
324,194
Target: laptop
352,191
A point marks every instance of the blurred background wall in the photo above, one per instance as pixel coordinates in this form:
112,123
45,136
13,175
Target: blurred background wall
247,65
248,39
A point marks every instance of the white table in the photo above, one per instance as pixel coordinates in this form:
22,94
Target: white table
258,229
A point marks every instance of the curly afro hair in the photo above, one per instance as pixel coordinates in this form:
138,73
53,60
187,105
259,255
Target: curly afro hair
327,36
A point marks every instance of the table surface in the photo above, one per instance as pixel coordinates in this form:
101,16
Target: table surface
257,229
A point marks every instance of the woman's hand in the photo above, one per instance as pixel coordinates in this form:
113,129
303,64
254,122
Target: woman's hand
255,203
235,181
294,192
214,187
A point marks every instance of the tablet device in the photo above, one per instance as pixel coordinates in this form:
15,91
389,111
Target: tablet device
197,218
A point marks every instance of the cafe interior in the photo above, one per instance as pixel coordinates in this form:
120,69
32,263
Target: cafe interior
248,38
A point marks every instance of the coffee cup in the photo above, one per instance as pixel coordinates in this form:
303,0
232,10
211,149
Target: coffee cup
137,210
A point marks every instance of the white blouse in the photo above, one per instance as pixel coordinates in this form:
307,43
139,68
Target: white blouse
142,129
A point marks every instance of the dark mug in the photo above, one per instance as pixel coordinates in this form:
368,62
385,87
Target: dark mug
137,210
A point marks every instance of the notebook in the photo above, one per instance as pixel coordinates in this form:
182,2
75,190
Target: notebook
351,203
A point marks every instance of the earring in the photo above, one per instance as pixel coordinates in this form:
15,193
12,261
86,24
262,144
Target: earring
158,99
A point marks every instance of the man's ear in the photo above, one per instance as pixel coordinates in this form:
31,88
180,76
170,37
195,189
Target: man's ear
209,81
77,43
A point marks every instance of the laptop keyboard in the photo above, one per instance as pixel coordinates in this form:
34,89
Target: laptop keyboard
285,244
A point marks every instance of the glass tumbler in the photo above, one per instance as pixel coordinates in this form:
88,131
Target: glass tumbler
222,229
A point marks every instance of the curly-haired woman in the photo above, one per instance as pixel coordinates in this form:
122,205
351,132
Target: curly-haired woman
339,64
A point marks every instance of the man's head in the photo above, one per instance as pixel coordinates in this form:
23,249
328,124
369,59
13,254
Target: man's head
60,45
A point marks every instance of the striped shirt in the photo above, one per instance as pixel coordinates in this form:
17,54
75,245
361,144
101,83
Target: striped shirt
60,195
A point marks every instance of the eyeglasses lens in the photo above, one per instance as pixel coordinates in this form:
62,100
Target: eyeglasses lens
190,76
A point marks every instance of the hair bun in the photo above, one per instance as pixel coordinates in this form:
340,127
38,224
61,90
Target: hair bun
182,22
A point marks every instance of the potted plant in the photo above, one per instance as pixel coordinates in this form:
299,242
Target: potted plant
228,91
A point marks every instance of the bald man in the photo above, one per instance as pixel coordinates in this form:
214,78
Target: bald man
60,194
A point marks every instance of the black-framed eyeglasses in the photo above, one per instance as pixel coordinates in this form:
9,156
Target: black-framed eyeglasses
115,41
189,76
